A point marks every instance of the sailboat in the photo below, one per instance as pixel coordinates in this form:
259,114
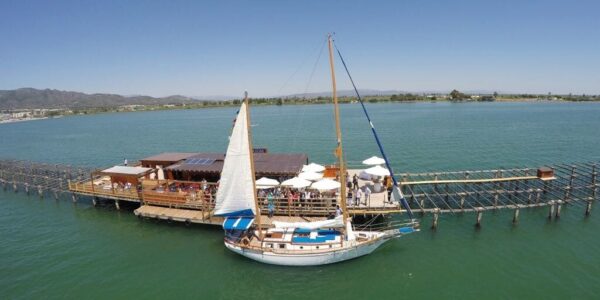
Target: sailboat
288,243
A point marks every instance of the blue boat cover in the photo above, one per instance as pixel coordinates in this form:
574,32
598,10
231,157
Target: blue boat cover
407,230
237,223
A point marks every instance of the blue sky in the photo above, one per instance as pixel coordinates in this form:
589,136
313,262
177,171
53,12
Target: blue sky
205,48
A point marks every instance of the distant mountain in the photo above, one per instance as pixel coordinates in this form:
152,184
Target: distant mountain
28,98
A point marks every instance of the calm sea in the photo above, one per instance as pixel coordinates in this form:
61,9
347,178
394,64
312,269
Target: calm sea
57,249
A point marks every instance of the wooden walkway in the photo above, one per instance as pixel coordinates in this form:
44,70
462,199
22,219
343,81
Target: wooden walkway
198,217
427,193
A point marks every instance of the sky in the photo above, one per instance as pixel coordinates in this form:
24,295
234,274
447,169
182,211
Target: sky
269,48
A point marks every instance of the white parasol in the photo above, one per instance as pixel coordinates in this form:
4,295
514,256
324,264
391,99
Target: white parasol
325,184
378,171
296,183
312,176
266,183
312,167
373,160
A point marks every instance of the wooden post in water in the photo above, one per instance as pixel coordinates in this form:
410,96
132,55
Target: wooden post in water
516,215
436,215
119,207
558,207
40,192
479,216
27,189
588,207
550,209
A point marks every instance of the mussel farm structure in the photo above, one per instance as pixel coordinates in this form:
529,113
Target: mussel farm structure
433,193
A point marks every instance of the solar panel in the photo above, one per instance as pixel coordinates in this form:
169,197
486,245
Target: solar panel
200,161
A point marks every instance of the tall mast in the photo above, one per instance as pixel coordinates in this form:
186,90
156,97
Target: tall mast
248,127
339,150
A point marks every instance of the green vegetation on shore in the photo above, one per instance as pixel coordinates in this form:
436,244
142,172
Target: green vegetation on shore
172,103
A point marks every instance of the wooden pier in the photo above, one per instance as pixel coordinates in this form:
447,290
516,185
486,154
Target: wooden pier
427,193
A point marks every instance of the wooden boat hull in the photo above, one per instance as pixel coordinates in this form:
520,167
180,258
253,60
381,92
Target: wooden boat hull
307,258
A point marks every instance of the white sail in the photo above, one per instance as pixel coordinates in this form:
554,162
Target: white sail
236,196
338,222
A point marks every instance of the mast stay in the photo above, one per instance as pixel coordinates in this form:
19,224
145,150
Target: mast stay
396,187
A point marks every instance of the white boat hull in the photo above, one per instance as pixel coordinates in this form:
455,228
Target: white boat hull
308,258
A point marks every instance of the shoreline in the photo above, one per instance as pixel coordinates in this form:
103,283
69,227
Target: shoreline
22,120
97,111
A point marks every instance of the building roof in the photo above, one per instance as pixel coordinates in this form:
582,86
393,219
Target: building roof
264,163
171,157
126,171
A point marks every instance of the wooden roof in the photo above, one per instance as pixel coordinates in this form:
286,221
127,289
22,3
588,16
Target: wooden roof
264,163
171,157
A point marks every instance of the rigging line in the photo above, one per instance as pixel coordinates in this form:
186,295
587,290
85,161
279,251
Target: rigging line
303,110
387,162
298,69
312,73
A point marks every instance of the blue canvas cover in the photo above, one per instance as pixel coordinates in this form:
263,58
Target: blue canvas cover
237,223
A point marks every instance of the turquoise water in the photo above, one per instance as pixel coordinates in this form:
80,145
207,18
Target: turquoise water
57,249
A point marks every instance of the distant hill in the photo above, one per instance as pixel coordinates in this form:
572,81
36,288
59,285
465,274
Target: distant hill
28,98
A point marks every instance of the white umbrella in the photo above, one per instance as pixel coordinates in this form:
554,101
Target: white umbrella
373,160
296,183
312,167
378,171
312,176
325,184
266,183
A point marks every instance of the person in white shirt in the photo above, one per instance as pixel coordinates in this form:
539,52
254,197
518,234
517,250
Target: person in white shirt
358,196
367,195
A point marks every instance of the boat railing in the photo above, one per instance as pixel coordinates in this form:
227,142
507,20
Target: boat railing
385,226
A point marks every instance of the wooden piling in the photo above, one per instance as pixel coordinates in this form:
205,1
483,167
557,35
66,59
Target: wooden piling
516,216
117,205
558,208
550,209
40,191
436,214
588,208
479,216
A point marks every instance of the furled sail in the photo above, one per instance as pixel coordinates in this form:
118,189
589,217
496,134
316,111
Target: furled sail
337,222
236,194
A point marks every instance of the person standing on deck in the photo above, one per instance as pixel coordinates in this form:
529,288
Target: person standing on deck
358,196
355,181
338,211
367,195
270,204
388,186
